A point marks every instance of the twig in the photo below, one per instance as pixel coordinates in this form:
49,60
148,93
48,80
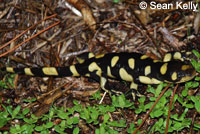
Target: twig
170,105
28,38
151,109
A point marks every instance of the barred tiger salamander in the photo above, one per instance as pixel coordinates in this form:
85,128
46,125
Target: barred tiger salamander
131,67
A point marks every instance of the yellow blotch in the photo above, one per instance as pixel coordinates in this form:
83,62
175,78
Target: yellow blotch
74,71
185,67
114,61
50,71
163,69
133,86
94,67
167,57
174,76
147,70
87,75
124,75
147,80
131,63
10,69
188,53
28,71
80,60
177,56
155,81
155,61
99,56
186,78
109,72
90,55
144,57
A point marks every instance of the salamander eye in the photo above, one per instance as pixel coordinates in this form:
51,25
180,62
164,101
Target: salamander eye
179,72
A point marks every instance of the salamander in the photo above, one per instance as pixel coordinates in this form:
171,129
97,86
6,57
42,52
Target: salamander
134,68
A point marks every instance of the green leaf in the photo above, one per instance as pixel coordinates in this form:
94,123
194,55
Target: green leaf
30,121
63,115
94,114
16,111
197,125
178,126
97,131
30,100
25,111
106,118
117,124
189,105
102,129
16,129
59,129
49,124
3,85
121,101
116,1
185,92
75,120
142,99
196,100
156,113
139,121
62,124
39,128
4,118
27,129
131,128
78,108
34,117
9,109
151,89
197,79
70,121
148,106
197,54
139,110
85,114
76,102
96,96
76,130
159,89
71,110
196,65
51,113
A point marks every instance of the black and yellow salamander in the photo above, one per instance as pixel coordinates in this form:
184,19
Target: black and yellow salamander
131,67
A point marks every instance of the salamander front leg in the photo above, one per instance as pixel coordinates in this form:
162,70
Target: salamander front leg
104,84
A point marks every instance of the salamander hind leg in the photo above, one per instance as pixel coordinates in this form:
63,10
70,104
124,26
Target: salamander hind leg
106,86
133,91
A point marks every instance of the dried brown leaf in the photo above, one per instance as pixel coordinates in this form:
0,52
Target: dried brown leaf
173,41
197,23
86,12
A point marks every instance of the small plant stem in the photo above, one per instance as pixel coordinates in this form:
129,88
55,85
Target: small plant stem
170,106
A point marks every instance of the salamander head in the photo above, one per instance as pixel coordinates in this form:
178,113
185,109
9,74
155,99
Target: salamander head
177,72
